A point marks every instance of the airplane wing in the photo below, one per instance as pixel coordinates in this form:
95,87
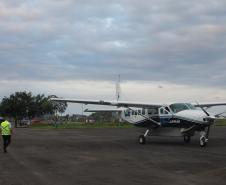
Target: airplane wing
110,103
207,105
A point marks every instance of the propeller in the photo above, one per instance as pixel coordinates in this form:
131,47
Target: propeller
208,128
203,109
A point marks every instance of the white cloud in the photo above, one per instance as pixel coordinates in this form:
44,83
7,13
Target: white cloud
180,43
105,90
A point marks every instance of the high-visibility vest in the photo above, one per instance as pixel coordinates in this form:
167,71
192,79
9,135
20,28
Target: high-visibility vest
6,128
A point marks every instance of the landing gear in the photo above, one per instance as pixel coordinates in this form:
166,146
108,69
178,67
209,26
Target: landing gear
142,138
203,139
187,139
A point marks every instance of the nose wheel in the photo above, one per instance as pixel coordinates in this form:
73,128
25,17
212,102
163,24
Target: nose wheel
142,138
203,139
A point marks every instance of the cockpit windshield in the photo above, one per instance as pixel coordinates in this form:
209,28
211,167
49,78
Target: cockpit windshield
177,107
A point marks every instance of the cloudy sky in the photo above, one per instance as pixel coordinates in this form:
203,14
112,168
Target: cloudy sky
165,50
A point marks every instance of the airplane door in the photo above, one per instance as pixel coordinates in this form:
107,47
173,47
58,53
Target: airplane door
165,116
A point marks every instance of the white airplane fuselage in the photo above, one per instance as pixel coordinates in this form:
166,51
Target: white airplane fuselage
163,121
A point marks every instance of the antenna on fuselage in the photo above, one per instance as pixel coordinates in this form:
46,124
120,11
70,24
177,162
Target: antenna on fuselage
118,88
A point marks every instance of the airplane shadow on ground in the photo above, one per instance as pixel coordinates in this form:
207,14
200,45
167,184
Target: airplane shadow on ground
213,142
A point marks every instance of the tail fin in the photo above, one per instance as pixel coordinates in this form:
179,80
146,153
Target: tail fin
118,89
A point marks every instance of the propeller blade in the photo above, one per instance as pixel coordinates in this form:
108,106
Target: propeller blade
208,132
203,109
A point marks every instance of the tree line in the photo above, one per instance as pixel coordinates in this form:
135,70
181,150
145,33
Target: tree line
20,105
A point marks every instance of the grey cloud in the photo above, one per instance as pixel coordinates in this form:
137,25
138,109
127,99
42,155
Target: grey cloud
164,40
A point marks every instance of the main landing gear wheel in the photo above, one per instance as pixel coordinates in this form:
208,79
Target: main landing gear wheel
187,139
203,141
142,139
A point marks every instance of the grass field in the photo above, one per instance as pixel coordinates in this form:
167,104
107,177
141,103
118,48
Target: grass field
73,125
82,125
220,122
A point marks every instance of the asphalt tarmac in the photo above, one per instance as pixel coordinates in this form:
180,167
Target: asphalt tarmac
111,157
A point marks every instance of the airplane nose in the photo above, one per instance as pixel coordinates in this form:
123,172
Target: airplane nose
209,119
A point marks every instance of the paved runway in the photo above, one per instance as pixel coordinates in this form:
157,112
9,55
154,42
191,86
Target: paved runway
111,157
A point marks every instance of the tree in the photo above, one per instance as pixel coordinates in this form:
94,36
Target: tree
16,105
42,106
24,105
102,116
57,106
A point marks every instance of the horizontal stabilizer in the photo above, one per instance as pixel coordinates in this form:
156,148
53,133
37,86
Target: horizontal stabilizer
103,110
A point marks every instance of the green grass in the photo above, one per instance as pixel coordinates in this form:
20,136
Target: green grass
220,122
75,125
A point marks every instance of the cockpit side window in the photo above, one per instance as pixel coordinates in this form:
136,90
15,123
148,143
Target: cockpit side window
164,110
167,109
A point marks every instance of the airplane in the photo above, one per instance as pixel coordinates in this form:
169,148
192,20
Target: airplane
160,119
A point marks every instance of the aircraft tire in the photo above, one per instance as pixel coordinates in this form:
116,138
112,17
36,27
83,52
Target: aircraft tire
187,139
202,141
142,139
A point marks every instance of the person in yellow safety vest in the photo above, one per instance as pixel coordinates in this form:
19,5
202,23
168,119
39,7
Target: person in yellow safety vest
6,130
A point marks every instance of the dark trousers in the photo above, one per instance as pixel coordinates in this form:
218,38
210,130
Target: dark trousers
6,141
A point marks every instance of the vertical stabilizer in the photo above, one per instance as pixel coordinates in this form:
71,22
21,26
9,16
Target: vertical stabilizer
118,89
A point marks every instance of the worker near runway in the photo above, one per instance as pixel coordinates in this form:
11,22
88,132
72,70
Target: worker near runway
6,131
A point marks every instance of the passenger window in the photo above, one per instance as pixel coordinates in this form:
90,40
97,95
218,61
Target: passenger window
152,111
143,111
127,113
149,111
161,111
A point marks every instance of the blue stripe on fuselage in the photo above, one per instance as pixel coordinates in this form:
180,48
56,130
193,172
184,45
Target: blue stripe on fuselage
167,122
